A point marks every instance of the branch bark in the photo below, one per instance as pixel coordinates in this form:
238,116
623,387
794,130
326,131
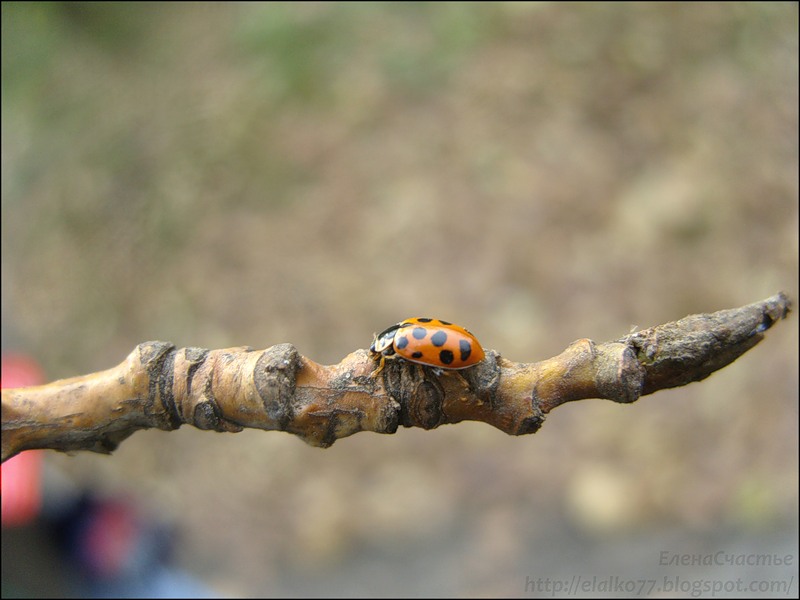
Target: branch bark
278,389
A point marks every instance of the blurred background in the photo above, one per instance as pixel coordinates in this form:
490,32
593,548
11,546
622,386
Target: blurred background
226,174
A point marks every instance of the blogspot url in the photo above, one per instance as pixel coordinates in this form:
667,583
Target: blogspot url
613,585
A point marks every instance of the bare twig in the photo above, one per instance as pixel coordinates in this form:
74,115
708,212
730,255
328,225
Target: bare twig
278,389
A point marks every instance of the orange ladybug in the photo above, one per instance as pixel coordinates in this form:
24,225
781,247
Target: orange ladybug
431,342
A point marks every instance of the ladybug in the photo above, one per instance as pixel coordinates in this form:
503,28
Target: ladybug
431,342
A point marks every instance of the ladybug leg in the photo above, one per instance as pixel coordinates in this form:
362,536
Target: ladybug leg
380,366
385,354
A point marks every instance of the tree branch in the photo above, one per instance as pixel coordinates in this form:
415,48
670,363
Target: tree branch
278,389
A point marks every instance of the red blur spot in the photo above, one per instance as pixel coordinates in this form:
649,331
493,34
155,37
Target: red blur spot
21,497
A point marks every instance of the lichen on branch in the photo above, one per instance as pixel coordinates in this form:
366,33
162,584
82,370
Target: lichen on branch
227,390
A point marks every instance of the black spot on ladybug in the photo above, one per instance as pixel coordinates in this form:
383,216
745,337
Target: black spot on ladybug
446,356
401,342
439,338
424,320
419,333
416,355
445,322
466,349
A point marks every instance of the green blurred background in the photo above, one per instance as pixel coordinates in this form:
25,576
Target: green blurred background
231,174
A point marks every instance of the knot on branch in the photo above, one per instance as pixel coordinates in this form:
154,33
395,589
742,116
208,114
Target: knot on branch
274,377
158,359
619,375
429,397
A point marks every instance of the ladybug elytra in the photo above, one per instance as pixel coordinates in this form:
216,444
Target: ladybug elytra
431,342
